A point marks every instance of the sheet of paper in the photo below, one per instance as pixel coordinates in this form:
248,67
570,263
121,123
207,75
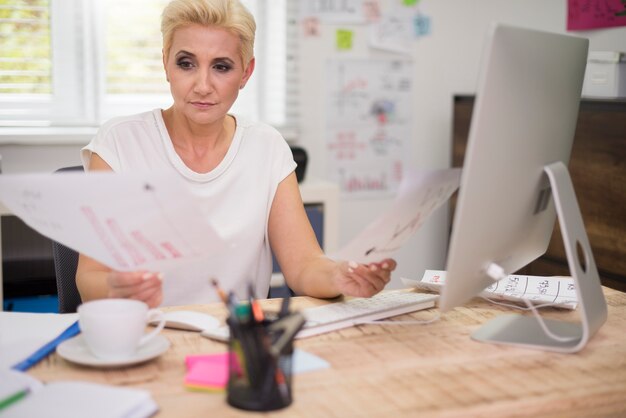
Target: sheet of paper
21,334
393,32
304,362
126,221
419,195
369,123
345,11
559,291
14,384
131,221
73,399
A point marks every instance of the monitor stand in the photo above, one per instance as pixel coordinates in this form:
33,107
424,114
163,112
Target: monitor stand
525,330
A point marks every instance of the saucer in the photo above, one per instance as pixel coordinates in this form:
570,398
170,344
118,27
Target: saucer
76,351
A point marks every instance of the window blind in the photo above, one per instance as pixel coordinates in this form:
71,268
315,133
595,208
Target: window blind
81,62
25,65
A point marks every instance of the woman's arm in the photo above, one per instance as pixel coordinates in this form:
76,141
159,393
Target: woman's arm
306,269
96,281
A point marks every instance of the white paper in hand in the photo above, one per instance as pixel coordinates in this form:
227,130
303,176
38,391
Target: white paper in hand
129,221
419,194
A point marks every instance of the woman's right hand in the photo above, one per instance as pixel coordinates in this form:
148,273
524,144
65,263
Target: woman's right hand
140,285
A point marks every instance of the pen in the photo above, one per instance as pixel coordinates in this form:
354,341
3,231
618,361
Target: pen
282,384
13,398
219,291
257,312
43,352
284,307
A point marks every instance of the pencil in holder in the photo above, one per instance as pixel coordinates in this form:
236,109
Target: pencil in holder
260,363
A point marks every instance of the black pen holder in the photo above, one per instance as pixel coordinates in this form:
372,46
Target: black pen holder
258,378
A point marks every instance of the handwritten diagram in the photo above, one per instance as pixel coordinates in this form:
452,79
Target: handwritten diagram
559,291
368,124
419,195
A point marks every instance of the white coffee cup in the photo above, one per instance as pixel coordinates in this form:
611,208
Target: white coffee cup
114,329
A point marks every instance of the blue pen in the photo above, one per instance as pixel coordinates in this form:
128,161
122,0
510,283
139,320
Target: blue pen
43,352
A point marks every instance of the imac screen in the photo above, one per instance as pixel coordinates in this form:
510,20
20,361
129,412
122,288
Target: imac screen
524,118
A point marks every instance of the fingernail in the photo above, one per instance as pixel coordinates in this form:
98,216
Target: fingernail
350,270
373,267
159,276
353,264
385,265
146,276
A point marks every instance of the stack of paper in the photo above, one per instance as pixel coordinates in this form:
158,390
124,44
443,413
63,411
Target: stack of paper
555,291
14,386
207,372
22,333
70,399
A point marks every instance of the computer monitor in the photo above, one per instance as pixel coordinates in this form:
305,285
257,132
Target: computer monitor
515,180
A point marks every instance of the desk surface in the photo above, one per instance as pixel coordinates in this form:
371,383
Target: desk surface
386,371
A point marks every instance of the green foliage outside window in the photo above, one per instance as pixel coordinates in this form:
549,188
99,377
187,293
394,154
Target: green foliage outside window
25,57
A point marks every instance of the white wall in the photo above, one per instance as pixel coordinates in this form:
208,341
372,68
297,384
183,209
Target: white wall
38,158
447,62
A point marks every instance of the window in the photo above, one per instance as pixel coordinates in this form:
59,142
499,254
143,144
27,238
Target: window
77,63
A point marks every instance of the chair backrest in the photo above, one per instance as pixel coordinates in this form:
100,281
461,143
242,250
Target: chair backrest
65,264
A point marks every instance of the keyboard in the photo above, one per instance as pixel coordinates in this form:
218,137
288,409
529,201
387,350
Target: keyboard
338,315
334,316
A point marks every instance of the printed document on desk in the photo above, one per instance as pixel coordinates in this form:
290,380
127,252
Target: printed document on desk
22,333
73,399
129,222
419,194
556,291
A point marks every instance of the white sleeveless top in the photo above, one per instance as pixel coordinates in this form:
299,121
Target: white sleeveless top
238,195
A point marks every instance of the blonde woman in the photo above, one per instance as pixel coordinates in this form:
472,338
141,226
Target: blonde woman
242,170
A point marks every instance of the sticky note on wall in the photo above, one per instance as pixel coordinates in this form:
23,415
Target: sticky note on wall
422,25
344,38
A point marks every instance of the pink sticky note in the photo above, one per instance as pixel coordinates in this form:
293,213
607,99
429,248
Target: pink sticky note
593,14
207,370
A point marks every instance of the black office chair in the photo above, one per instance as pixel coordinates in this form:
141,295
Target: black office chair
65,264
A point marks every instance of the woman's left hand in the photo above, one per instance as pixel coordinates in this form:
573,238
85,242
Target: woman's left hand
363,280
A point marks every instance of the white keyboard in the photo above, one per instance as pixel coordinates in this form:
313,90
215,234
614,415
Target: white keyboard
348,313
334,316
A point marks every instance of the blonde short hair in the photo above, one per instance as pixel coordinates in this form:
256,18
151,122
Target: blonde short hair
227,14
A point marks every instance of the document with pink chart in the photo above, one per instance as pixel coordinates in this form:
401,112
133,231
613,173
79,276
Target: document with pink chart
129,222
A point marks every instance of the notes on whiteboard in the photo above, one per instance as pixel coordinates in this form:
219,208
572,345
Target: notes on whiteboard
331,11
559,291
369,119
393,32
419,195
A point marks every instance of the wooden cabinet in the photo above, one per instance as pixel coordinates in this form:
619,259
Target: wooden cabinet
598,171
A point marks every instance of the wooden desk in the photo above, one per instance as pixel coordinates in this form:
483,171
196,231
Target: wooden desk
388,371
